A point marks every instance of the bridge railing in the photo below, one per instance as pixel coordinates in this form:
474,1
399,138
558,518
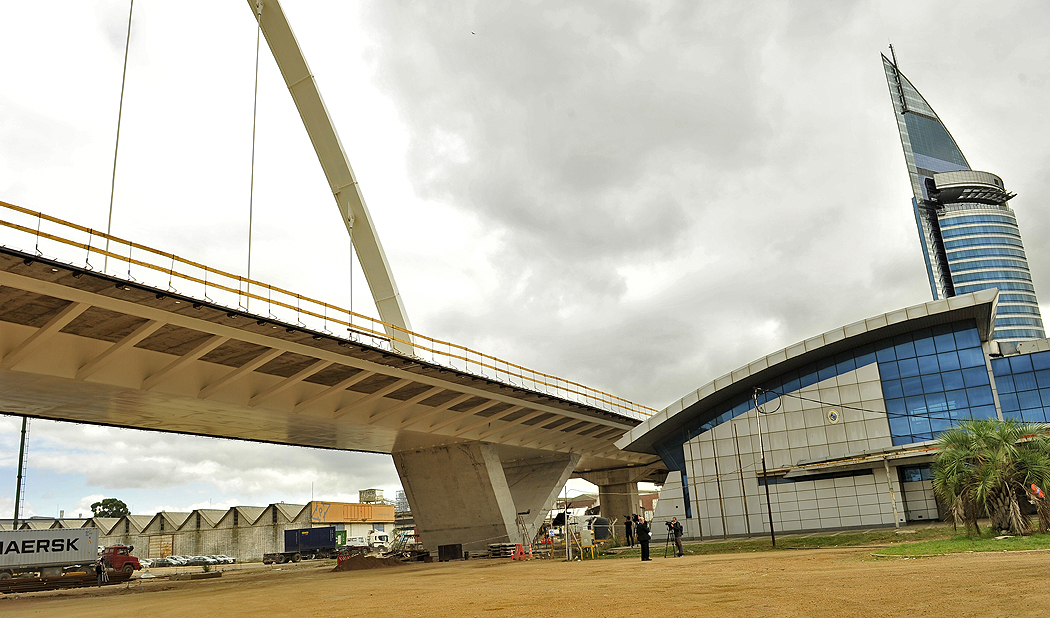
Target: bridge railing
83,247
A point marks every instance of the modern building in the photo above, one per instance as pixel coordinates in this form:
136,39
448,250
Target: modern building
848,421
968,232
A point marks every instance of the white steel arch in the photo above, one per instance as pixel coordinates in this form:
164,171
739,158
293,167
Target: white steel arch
337,170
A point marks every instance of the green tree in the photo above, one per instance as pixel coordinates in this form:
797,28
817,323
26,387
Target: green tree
987,467
110,507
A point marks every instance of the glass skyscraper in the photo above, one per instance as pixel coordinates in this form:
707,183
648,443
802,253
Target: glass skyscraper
968,232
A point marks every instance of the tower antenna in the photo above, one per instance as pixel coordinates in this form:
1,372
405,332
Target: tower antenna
897,80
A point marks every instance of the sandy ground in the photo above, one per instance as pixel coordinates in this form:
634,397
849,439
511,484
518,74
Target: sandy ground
811,583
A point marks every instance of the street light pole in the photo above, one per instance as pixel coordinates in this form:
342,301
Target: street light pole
765,474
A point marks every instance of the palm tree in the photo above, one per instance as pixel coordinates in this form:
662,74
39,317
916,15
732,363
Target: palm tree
986,466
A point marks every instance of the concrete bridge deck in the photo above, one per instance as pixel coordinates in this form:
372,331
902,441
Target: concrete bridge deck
83,346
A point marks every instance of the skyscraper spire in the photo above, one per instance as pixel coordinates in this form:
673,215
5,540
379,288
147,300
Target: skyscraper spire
968,232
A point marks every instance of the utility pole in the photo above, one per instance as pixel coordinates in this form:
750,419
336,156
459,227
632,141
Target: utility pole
568,538
21,461
765,474
893,498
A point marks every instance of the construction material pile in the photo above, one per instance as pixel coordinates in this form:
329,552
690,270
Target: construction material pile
502,550
359,562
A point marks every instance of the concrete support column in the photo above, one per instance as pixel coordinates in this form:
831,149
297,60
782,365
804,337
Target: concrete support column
535,483
618,490
467,494
618,500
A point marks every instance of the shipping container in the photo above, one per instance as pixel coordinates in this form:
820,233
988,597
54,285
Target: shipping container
307,543
304,540
25,551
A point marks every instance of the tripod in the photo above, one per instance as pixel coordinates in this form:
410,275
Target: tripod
668,542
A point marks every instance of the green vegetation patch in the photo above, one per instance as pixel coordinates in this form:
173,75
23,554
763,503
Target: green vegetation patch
872,538
963,543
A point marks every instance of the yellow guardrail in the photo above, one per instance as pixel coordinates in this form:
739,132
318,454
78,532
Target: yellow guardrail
234,288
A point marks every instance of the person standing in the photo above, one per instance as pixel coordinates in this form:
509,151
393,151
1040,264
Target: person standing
676,529
641,530
629,527
100,568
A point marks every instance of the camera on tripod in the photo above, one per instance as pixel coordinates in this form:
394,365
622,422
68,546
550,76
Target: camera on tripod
670,526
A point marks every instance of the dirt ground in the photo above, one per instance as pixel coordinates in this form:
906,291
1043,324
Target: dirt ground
810,583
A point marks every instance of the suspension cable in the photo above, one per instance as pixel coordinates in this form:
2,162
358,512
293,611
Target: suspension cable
255,114
352,249
116,146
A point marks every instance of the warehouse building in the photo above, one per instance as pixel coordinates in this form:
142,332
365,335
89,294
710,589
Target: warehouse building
242,532
847,424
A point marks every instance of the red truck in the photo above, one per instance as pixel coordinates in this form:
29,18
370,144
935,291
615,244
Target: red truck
119,558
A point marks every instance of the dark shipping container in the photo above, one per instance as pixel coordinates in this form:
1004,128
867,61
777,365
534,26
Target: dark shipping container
309,539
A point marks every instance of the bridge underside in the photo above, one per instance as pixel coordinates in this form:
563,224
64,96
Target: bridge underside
84,347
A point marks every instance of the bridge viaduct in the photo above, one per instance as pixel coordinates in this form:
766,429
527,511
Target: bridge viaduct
475,445
472,451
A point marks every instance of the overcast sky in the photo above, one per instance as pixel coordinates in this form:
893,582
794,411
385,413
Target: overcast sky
637,196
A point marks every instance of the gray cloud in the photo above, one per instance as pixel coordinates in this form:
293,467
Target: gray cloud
743,156
602,139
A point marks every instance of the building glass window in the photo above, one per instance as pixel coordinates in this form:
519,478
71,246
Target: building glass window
1018,298
1018,334
930,378
992,275
1018,321
929,137
1016,309
982,240
972,230
913,474
950,221
1002,285
986,252
1023,382
972,265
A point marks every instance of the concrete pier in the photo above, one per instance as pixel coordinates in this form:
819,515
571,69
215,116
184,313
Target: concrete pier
470,493
618,489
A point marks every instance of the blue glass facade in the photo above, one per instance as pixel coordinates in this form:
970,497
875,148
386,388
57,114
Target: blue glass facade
986,267
937,378
958,239
930,379
1023,383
